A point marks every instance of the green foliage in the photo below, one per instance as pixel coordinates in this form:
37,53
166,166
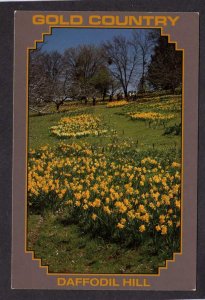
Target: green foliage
173,130
165,69
178,90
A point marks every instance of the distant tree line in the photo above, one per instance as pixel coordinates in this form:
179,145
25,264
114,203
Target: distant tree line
145,62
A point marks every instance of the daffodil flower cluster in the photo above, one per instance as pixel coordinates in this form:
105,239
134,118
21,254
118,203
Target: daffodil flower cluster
117,103
152,116
171,106
112,190
155,105
78,126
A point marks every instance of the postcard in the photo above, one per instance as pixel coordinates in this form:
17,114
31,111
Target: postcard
105,150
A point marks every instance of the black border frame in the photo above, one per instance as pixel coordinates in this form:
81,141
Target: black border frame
6,122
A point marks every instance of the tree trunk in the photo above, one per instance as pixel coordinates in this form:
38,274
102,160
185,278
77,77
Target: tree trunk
57,106
173,90
126,94
94,101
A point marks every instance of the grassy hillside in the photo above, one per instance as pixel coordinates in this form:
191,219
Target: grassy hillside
128,157
114,118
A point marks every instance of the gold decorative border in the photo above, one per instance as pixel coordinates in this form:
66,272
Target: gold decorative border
182,159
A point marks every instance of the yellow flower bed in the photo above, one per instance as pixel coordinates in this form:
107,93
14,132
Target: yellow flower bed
117,103
151,116
78,126
117,192
172,105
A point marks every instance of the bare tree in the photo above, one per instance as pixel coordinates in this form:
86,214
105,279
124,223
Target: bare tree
143,41
84,64
87,71
55,79
49,81
36,79
122,59
115,87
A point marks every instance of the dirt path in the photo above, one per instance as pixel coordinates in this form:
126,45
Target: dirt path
33,234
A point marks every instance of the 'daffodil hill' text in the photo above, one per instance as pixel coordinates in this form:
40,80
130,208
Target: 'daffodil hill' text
105,20
102,282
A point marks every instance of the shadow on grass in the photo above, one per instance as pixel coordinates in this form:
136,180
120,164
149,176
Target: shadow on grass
66,248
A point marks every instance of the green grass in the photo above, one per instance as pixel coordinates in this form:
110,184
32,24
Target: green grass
138,131
66,248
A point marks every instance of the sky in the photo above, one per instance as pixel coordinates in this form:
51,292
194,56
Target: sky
63,38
